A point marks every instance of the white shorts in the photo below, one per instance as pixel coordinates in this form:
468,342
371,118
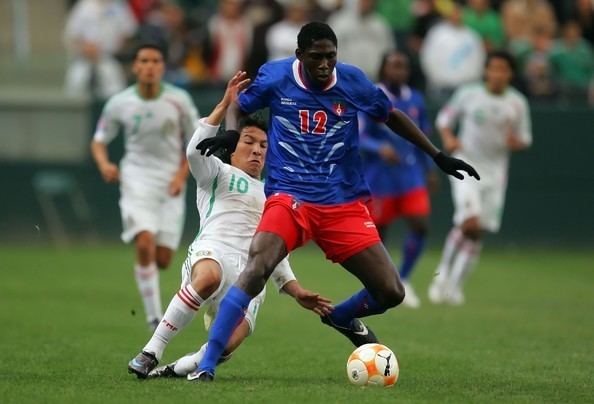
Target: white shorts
149,208
484,199
232,263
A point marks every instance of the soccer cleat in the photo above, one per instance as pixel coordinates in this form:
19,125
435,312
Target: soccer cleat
200,376
410,297
164,371
358,333
455,296
436,292
142,365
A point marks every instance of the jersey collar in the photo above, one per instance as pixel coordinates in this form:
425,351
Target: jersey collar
405,92
297,75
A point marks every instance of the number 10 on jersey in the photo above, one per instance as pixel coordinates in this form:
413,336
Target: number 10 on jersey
319,120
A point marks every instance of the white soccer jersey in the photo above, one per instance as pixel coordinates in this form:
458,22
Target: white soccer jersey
156,132
485,120
229,201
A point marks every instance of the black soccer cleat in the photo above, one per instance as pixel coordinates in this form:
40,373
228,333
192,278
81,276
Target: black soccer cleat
142,364
201,376
358,333
163,371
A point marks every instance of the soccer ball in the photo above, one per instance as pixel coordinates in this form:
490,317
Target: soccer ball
372,365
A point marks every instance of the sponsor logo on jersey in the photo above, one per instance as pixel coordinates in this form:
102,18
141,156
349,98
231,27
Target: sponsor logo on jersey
287,101
339,107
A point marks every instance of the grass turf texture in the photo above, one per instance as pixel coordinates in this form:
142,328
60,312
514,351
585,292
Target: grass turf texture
525,335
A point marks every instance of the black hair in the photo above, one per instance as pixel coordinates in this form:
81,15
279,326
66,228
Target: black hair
380,73
315,31
252,121
149,45
502,54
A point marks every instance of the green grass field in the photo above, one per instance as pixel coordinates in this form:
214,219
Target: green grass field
526,334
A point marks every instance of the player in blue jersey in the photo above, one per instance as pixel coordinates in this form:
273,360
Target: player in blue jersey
396,171
315,184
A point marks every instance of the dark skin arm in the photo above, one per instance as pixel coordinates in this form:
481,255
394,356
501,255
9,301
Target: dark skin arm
403,126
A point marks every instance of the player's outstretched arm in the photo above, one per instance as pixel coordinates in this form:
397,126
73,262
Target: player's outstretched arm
403,126
308,299
228,139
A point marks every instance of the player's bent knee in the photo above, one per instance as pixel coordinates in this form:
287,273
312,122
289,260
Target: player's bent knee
391,296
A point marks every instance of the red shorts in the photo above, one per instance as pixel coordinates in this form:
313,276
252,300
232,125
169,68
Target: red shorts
341,231
386,209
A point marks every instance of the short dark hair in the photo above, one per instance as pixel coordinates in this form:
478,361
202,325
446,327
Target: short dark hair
315,31
148,45
252,121
502,54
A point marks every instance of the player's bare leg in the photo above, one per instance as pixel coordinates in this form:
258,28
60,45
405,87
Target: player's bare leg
163,257
463,263
147,277
206,277
383,290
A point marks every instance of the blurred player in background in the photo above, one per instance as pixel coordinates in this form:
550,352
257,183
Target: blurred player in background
397,171
494,120
157,119
315,184
230,199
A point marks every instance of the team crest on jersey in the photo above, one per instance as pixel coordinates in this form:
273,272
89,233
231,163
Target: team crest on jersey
339,107
168,127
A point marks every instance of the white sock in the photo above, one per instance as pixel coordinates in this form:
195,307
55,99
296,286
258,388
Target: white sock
451,247
469,254
179,313
147,280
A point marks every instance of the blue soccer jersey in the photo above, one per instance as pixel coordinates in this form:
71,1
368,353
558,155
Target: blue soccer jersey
383,178
313,151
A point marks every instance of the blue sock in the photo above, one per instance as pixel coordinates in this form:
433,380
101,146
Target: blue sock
361,304
414,244
231,312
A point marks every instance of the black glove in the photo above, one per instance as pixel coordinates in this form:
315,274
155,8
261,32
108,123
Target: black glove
227,140
451,166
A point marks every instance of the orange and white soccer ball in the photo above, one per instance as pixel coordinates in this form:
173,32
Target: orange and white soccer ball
373,365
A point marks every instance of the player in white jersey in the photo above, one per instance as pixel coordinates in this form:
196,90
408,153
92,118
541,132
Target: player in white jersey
494,120
156,119
230,199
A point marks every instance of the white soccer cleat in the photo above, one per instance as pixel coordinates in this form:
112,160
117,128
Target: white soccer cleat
436,292
410,297
455,296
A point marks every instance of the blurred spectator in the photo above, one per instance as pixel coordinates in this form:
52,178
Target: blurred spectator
523,17
95,31
229,40
534,61
263,14
280,39
142,8
451,55
585,16
166,26
572,60
363,36
398,14
479,16
426,16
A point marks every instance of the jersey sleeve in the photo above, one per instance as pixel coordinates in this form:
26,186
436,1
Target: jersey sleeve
108,125
449,114
373,101
256,96
282,274
203,168
190,116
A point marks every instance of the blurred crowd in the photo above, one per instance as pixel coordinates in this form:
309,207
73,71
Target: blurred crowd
447,40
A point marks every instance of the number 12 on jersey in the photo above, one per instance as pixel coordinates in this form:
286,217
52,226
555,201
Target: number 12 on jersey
319,118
